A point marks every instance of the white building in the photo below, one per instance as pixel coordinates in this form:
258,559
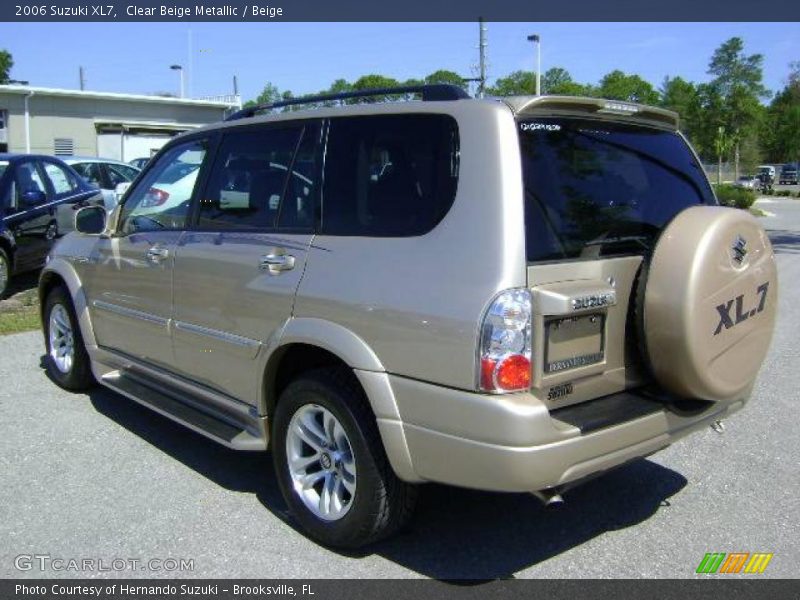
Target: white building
121,126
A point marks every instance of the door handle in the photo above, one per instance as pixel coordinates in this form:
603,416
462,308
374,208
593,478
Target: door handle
275,263
157,254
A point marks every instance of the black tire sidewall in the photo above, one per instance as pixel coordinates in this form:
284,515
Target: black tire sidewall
79,376
359,522
7,260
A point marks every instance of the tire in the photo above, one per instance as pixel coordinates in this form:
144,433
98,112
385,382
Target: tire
5,273
380,504
59,319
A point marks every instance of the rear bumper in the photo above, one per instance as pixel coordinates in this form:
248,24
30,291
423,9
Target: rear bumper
514,444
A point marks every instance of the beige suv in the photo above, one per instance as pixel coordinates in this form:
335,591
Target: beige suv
506,294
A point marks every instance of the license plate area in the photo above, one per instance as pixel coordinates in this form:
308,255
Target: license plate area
572,342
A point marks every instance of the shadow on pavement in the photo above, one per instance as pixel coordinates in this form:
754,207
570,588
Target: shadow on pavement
456,533
784,241
23,282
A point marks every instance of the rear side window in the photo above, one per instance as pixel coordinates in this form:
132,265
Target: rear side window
595,188
63,181
248,180
391,176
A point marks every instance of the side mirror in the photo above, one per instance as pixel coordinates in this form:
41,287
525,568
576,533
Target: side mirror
120,189
33,197
90,220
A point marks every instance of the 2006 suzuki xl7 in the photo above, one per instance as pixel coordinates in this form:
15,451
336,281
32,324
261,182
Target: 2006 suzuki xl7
510,294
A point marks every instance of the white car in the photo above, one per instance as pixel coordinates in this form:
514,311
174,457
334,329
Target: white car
749,182
105,173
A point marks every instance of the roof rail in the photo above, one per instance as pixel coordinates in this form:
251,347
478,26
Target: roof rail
433,92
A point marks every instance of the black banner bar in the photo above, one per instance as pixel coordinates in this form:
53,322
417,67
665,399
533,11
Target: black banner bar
711,588
399,11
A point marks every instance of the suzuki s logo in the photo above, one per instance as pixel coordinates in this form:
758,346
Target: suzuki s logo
739,250
741,314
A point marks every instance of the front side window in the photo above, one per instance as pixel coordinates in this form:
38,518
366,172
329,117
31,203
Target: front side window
392,176
597,188
162,200
248,179
63,182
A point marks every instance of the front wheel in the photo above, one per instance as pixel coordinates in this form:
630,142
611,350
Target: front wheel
331,465
67,361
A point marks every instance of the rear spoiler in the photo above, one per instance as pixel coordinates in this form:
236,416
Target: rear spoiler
595,107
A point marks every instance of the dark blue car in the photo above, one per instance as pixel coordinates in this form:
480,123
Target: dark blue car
38,199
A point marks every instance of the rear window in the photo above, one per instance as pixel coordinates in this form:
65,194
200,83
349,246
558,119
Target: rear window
594,188
392,175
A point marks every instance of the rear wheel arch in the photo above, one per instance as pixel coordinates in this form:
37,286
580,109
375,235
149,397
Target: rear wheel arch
308,343
294,359
289,362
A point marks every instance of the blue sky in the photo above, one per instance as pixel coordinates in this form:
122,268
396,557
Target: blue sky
306,57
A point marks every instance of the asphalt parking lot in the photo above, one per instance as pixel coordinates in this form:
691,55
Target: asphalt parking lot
97,476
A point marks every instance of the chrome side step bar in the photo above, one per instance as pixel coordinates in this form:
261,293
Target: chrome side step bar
179,407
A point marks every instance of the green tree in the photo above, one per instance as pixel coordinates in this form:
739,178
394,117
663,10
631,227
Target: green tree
617,85
681,96
268,95
287,95
738,82
722,145
445,76
339,86
373,81
781,127
558,81
678,94
706,121
518,83
794,75
6,62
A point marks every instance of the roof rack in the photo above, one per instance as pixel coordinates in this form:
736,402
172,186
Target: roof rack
433,92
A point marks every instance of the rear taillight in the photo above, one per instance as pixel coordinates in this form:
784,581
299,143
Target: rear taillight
504,352
155,197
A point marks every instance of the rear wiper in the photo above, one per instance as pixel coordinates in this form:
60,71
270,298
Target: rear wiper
621,239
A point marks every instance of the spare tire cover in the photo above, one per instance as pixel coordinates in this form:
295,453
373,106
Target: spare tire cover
709,303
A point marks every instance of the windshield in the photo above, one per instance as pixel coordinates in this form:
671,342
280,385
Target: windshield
594,188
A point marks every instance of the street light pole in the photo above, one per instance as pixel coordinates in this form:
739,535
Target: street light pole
178,68
537,40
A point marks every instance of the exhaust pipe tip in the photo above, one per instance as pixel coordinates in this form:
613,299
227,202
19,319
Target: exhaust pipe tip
549,498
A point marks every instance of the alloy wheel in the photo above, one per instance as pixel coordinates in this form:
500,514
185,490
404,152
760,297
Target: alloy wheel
321,463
